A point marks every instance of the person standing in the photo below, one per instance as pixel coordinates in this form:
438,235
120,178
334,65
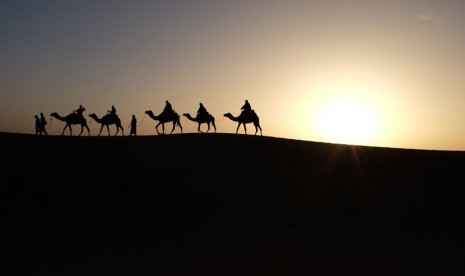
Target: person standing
43,123
133,126
38,126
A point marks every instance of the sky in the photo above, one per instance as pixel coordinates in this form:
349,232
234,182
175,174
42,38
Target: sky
368,72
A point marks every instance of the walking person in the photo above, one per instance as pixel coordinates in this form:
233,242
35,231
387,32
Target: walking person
43,123
133,126
38,126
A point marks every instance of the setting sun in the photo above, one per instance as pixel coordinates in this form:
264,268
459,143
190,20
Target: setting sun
348,121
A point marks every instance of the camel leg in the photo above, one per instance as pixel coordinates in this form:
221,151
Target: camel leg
257,127
245,129
156,127
163,128
82,129
88,131
174,125
238,126
70,129
180,126
101,127
108,130
64,129
214,126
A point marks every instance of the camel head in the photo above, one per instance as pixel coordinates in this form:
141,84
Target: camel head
148,112
228,115
56,115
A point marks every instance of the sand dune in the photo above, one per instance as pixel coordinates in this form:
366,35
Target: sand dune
226,204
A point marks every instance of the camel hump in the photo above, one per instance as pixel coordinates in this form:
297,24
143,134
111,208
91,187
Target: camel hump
248,113
110,116
168,113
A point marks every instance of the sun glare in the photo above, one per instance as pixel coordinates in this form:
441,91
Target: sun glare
348,122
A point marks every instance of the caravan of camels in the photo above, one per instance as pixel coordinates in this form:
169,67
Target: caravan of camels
168,115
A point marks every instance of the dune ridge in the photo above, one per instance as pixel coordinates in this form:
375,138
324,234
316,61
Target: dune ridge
227,204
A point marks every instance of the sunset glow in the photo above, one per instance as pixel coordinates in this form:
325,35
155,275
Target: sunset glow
380,73
349,122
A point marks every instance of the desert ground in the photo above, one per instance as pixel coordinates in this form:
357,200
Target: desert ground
227,204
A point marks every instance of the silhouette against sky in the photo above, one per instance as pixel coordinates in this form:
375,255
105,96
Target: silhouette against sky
133,126
314,70
107,120
245,118
71,119
166,116
202,117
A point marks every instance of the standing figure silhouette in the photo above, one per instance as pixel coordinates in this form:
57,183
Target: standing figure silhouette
133,126
38,125
43,123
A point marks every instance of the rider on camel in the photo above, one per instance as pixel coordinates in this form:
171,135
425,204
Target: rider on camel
202,111
79,110
112,111
168,108
246,108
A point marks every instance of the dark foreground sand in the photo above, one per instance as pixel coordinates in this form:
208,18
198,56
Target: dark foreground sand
226,204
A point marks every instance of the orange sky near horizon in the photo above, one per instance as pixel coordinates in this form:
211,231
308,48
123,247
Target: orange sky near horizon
378,73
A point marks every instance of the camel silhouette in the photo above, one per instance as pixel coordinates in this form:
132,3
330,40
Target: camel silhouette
72,119
244,119
107,120
207,120
165,118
